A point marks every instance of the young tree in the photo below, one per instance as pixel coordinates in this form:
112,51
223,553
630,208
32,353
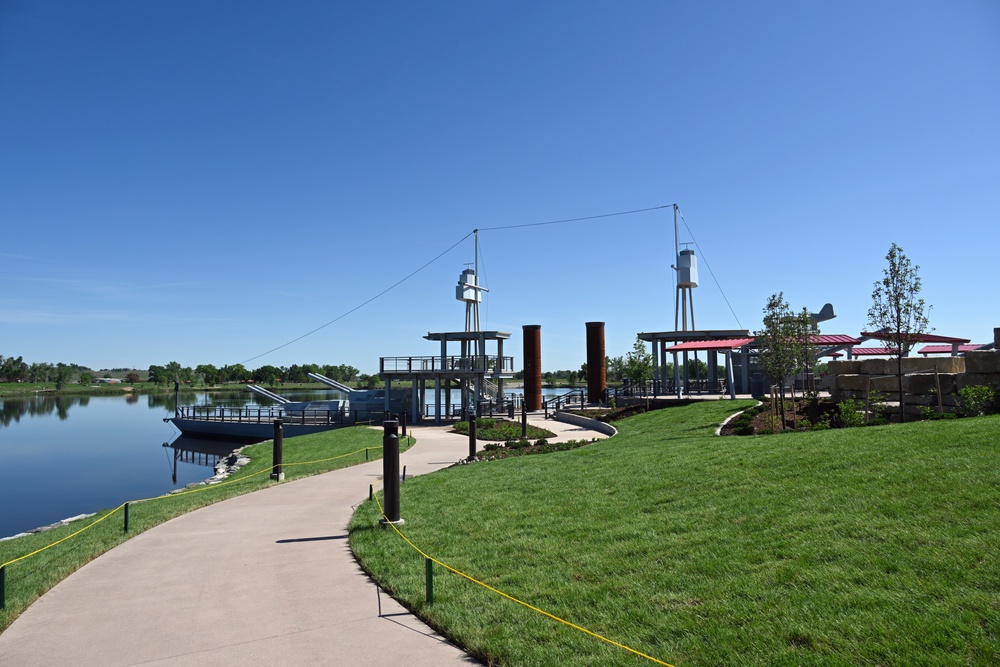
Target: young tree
638,363
776,349
897,312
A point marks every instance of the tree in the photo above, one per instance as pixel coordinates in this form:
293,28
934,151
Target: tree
776,349
132,377
897,313
806,353
638,362
266,375
85,378
209,373
616,368
62,375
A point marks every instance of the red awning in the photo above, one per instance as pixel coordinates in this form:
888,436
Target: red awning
833,339
710,345
869,351
947,349
917,338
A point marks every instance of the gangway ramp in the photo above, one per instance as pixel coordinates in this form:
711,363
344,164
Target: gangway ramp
268,394
330,383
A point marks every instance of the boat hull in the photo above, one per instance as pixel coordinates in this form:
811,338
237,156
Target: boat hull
243,432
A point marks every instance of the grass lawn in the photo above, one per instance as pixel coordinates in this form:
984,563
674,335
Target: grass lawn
303,456
870,546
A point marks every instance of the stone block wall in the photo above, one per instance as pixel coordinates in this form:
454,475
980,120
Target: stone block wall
854,378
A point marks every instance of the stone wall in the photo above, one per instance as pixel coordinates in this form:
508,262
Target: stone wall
854,378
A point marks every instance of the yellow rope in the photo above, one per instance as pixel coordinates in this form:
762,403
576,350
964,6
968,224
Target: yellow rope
87,527
174,495
512,598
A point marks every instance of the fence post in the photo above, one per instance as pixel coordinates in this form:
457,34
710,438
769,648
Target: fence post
472,437
277,452
390,471
429,569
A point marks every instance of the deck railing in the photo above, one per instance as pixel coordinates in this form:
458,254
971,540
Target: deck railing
451,364
267,415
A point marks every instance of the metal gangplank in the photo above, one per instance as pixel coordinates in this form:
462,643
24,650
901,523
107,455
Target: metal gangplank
330,383
281,400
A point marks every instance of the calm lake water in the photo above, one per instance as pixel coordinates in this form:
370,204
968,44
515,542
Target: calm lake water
62,456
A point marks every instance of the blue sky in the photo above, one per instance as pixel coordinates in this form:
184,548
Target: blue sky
204,182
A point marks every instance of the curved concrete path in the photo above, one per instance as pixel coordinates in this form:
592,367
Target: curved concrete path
266,577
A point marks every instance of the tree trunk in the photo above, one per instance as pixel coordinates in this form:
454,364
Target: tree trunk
899,382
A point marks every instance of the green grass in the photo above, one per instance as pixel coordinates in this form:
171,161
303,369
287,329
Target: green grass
873,546
502,430
29,578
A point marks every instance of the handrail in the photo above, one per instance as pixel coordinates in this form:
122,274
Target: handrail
437,364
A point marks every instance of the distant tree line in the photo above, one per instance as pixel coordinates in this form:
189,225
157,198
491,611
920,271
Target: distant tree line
15,369
208,374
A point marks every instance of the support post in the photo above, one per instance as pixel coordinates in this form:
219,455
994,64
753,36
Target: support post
277,452
390,471
472,437
429,574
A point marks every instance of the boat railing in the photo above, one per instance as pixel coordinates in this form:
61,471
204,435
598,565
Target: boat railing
264,415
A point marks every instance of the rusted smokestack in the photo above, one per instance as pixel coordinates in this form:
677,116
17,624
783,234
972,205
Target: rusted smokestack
532,366
597,372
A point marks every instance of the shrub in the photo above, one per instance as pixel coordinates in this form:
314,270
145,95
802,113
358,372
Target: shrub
851,413
977,400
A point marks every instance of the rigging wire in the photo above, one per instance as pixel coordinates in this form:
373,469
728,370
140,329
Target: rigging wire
709,266
452,247
486,298
589,217
363,304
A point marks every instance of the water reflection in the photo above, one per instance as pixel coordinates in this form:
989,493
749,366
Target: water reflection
12,409
197,451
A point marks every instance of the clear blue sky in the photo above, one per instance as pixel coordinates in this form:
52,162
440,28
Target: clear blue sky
203,182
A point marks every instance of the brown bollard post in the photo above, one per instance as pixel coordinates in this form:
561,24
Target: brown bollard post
390,471
278,450
402,423
472,437
524,420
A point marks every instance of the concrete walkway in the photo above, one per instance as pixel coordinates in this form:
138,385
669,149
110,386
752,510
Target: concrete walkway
266,577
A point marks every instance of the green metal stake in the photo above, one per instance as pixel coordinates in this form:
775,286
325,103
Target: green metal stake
366,453
371,491
126,517
429,567
3,587
404,473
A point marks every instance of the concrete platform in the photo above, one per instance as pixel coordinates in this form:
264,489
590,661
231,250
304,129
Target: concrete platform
262,578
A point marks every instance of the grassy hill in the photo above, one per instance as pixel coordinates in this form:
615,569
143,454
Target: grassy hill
859,546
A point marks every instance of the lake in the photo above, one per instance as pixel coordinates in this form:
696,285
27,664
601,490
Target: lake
62,456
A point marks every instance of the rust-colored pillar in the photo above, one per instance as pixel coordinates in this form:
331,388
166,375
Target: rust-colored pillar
597,371
532,366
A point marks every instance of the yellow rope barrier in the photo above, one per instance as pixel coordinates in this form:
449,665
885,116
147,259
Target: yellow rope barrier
511,597
87,527
174,495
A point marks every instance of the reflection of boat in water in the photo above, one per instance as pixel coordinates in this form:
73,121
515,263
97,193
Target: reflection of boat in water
256,423
197,451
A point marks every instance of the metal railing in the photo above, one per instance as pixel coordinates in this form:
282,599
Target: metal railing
267,415
457,364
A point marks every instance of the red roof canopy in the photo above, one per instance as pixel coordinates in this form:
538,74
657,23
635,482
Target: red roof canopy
917,338
709,345
833,339
869,351
947,349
